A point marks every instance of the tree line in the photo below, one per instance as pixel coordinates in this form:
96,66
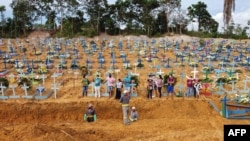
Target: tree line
68,18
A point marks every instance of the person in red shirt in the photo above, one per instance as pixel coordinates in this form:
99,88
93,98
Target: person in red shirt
190,84
170,87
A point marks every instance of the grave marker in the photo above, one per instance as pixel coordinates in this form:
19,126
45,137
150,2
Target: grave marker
133,94
245,89
2,87
25,87
194,72
220,88
54,85
105,93
168,66
43,78
92,85
14,96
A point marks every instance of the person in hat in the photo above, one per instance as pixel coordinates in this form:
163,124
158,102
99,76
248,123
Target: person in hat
90,114
134,114
150,87
125,106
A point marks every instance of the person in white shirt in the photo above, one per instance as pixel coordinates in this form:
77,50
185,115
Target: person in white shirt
118,89
97,82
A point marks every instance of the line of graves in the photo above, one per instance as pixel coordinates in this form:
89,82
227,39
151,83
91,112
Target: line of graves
214,57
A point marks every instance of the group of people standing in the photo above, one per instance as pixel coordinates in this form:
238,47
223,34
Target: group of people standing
112,84
193,87
155,84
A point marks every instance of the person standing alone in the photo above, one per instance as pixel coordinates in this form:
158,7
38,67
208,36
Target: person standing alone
118,89
97,82
85,84
125,107
111,81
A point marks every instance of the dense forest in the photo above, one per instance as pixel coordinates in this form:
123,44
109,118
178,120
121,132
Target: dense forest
69,18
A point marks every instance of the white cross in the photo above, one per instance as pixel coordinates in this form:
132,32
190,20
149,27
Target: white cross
2,87
160,72
54,87
43,77
13,89
25,87
245,83
54,76
194,72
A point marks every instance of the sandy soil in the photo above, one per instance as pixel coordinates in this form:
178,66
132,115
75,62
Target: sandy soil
61,119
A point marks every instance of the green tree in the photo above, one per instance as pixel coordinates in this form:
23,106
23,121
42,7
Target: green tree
45,9
2,24
24,14
199,11
61,7
96,10
169,7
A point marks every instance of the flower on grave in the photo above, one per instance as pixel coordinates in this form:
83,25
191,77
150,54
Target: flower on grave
4,82
238,71
178,64
110,71
38,53
25,80
140,65
193,64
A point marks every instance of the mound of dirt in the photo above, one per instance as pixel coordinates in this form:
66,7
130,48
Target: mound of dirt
159,119
39,34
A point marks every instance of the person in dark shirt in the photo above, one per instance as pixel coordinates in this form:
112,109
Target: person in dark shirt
125,107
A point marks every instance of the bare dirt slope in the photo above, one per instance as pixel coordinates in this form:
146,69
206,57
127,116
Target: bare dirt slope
160,119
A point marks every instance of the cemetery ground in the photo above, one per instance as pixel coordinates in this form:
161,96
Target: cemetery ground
61,119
